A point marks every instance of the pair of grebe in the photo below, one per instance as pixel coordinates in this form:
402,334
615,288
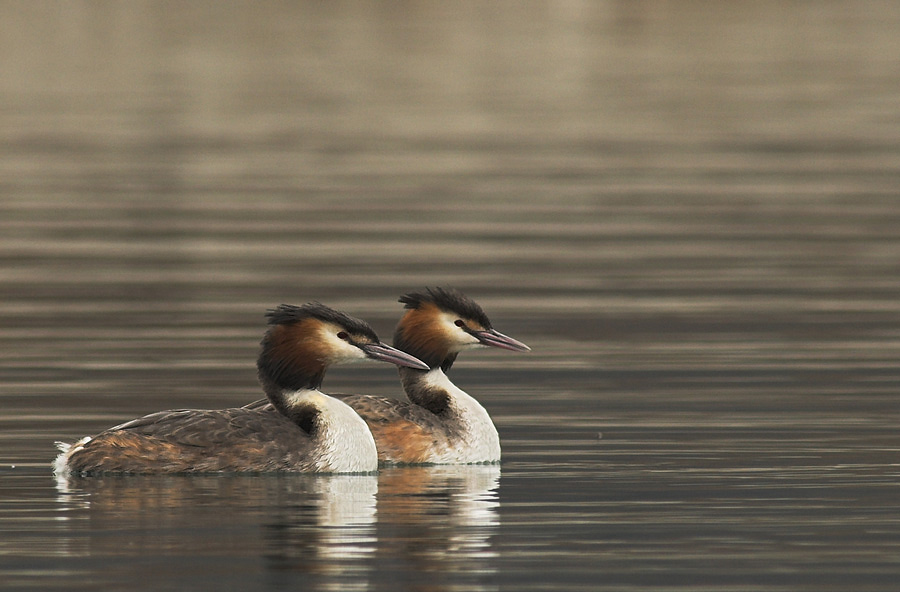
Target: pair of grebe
299,428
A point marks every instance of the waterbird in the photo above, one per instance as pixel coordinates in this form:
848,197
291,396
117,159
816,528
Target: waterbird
301,430
439,423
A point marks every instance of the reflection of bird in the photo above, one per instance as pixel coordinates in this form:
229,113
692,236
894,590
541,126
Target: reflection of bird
440,423
439,520
320,525
302,430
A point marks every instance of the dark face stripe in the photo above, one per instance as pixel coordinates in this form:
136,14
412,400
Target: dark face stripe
286,314
449,300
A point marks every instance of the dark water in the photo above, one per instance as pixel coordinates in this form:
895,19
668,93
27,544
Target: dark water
690,212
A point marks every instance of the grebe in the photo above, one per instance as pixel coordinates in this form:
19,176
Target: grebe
303,430
440,423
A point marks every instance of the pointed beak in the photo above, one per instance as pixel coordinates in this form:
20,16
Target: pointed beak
496,339
386,353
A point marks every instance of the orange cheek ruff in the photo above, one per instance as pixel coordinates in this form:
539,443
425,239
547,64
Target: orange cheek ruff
421,328
292,346
403,441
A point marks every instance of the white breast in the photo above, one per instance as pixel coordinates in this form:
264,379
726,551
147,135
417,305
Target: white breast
480,441
346,444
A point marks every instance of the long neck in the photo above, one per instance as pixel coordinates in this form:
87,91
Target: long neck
288,361
283,380
343,441
434,391
422,386
423,390
468,424
291,404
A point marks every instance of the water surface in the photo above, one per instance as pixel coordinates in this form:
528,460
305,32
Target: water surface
689,213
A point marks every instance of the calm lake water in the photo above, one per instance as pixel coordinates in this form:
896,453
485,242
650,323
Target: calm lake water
690,211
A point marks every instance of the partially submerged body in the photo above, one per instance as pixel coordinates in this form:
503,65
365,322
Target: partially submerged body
302,430
438,423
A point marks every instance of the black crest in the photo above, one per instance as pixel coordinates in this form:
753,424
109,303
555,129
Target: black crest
288,314
450,300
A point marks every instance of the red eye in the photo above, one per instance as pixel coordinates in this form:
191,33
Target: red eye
343,335
459,323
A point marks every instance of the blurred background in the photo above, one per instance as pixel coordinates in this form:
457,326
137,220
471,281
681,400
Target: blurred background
594,173
689,209
624,185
